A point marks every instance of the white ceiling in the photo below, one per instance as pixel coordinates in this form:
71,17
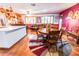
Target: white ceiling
40,8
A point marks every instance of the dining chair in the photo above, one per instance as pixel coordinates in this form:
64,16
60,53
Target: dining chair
64,47
52,41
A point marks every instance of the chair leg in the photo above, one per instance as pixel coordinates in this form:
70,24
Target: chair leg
52,50
61,52
49,50
56,48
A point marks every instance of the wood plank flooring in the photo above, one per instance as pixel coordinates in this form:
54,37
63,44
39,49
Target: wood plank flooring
21,48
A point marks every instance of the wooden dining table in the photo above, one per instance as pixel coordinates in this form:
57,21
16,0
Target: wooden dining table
48,33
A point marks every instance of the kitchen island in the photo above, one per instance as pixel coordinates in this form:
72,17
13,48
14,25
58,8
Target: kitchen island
10,35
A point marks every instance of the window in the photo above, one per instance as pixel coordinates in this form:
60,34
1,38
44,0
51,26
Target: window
40,20
34,20
52,19
31,20
47,20
56,20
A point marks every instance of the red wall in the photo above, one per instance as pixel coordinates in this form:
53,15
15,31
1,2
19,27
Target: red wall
73,23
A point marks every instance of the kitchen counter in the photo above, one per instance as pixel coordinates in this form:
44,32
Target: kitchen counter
10,35
10,28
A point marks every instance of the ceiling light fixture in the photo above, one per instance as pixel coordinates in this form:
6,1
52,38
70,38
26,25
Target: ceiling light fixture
11,10
29,10
33,4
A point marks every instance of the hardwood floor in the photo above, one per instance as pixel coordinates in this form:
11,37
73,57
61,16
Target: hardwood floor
75,49
21,48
